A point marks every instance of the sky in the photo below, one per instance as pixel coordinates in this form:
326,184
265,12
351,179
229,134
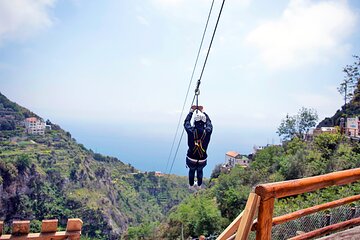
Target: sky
115,73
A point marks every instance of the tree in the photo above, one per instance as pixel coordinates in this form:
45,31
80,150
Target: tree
350,82
327,143
7,124
195,216
22,163
216,171
287,128
297,125
231,192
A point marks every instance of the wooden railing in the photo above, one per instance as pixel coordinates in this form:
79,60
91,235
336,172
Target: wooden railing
261,203
21,230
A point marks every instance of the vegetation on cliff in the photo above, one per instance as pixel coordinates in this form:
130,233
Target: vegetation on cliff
349,88
228,193
52,176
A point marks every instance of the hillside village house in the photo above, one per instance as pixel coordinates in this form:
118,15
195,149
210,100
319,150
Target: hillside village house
34,125
352,127
313,132
233,158
158,174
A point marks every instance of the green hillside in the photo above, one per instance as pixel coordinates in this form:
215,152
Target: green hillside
211,210
52,176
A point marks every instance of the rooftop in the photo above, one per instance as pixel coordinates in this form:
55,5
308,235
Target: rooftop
31,119
232,154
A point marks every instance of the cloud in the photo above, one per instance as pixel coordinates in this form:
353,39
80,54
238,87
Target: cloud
20,19
307,32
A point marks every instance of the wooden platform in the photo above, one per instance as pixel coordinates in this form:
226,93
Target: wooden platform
267,193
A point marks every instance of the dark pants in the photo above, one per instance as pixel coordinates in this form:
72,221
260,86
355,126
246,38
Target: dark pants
198,167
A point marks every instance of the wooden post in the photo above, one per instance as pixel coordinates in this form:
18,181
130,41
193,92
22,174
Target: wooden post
74,224
353,211
48,226
20,227
264,226
1,227
328,219
251,208
231,229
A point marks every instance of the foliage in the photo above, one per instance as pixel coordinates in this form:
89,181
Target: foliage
294,159
17,111
326,143
297,125
216,171
345,157
293,166
7,125
287,128
295,145
145,230
22,163
196,216
267,161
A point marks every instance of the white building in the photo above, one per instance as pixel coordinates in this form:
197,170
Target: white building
34,126
233,158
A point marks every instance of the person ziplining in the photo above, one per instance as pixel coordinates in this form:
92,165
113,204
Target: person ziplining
198,140
200,132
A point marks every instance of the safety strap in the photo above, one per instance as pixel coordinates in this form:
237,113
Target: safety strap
198,143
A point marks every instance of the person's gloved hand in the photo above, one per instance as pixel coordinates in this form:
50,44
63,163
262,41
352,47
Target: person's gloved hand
193,108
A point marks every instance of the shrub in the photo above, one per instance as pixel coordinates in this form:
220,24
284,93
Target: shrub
22,163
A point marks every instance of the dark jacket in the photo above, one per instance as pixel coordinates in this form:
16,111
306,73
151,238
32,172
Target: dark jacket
199,131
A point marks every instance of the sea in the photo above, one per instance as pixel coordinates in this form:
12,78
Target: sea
148,151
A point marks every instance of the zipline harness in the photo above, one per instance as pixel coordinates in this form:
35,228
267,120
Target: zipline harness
198,148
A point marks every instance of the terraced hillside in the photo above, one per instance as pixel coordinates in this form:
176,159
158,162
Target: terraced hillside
53,176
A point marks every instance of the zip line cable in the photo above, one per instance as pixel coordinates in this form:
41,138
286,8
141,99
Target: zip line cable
188,89
199,81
